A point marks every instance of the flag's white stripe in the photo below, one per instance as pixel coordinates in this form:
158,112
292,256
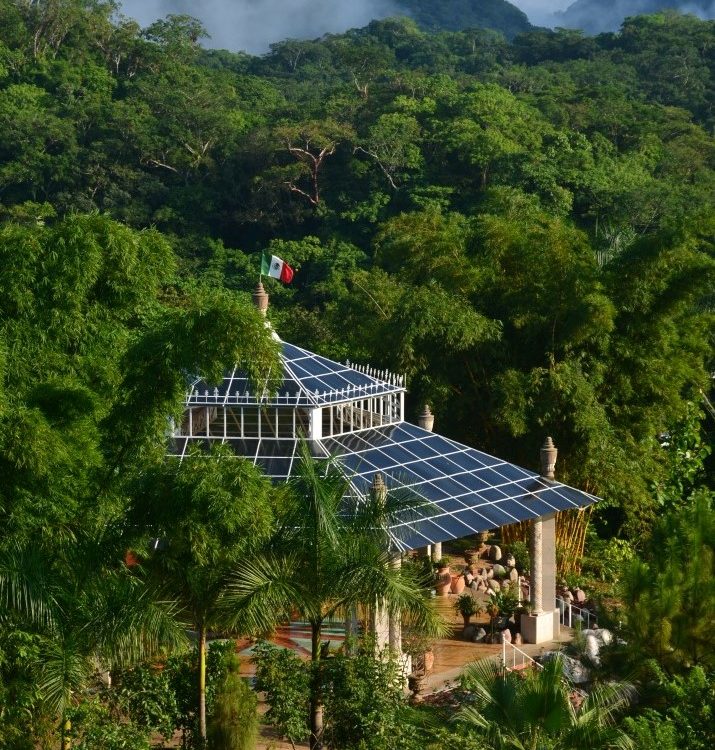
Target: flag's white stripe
276,267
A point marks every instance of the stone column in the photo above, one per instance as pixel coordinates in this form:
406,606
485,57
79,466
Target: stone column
380,619
541,625
425,419
396,618
536,553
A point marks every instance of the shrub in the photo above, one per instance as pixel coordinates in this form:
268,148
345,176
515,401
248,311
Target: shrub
520,550
364,702
233,725
94,728
147,695
285,679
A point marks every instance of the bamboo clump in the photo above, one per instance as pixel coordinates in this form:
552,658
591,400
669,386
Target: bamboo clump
571,528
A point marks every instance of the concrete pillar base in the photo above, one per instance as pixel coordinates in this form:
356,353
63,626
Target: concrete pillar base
539,628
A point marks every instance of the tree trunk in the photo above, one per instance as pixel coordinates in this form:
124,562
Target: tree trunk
202,684
316,698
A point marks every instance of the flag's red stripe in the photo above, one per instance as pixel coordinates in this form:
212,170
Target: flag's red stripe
286,273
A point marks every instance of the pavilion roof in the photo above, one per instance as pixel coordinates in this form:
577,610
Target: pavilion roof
307,380
464,490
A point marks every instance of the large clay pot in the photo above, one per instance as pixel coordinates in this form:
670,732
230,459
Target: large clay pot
444,581
458,584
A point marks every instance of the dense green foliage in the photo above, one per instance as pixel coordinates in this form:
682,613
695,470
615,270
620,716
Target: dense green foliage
365,705
534,710
453,15
524,228
97,334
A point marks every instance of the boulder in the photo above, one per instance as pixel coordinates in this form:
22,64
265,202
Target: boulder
593,647
468,632
489,573
479,635
505,636
517,640
604,635
510,561
513,575
494,585
495,553
573,669
506,583
499,571
579,596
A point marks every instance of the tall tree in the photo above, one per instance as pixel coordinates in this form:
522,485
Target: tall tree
329,555
208,512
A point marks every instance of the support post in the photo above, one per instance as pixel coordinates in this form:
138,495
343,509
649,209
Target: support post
437,551
542,624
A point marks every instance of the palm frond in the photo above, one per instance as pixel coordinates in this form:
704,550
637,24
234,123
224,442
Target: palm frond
261,592
28,585
129,620
64,671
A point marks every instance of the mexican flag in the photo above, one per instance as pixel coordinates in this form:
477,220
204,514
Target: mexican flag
272,265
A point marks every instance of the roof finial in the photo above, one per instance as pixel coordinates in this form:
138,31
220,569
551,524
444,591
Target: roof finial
549,453
260,298
425,419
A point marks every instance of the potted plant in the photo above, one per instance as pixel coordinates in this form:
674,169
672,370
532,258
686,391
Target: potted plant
417,682
467,606
419,647
471,556
502,605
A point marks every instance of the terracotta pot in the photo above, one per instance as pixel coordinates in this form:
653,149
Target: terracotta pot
458,584
442,588
444,581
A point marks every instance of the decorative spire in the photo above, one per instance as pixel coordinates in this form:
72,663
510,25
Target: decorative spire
260,298
425,419
549,453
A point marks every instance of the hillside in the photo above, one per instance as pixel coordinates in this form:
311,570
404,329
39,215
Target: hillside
597,16
454,15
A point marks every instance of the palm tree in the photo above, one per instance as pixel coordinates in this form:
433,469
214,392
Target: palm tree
90,616
328,556
533,709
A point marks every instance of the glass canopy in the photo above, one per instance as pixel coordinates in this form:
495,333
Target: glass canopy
357,415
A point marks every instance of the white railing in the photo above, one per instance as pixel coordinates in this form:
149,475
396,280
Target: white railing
569,614
514,658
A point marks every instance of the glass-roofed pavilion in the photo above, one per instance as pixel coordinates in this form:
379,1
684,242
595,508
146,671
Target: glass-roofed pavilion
356,414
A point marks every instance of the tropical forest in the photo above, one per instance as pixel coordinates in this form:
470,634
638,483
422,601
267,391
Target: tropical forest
501,236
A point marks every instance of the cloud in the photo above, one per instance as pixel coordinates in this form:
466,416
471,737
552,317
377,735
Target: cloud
252,25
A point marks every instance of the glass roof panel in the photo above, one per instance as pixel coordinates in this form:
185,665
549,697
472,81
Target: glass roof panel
303,373
469,490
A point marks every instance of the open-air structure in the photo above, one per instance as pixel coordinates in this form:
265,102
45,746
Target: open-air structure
357,415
